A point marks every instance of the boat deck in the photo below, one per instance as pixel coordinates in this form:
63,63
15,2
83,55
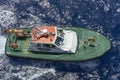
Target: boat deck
84,50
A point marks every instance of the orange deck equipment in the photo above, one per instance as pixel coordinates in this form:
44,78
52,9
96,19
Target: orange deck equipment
43,34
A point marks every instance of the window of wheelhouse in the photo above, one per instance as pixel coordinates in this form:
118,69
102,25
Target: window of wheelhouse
40,45
59,41
46,45
60,33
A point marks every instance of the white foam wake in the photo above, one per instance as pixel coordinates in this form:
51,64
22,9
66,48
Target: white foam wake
31,73
2,44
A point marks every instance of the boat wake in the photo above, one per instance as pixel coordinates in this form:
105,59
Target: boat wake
2,44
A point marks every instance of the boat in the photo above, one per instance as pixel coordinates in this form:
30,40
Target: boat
54,43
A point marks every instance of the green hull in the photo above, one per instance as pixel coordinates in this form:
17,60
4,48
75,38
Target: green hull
83,52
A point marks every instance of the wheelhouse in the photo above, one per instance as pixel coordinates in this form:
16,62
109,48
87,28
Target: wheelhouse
50,39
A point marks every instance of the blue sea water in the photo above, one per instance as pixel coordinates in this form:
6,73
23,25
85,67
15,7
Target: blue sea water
100,15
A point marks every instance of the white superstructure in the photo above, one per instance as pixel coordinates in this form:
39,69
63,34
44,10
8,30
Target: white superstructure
55,40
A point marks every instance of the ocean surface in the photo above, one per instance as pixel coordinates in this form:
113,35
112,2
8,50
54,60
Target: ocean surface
100,15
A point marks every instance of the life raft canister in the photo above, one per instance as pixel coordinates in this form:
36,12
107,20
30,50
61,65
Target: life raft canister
11,31
91,39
